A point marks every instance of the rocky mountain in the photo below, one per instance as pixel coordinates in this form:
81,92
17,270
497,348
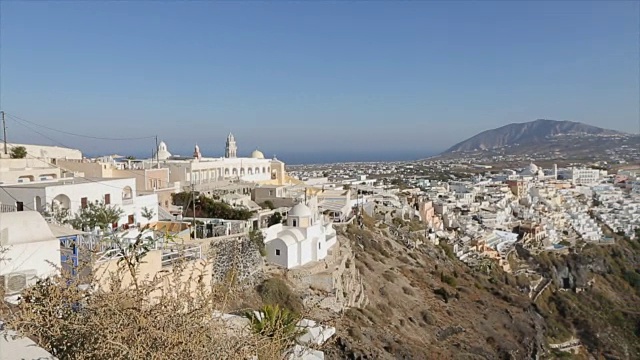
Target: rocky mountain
538,133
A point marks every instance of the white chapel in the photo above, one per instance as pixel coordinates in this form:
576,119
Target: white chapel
307,236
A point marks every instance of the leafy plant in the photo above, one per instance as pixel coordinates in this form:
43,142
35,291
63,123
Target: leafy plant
257,238
18,152
274,322
147,213
96,214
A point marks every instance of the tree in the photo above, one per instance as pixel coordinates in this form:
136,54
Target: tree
59,214
19,152
96,214
276,218
130,157
268,204
147,213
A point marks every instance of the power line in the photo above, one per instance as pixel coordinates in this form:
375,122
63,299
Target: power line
63,169
16,200
63,145
79,135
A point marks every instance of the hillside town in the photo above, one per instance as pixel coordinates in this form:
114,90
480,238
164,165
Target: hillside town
187,206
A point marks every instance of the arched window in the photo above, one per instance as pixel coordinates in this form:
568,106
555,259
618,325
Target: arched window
127,192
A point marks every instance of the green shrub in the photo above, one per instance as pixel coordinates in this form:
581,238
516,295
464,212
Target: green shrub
275,291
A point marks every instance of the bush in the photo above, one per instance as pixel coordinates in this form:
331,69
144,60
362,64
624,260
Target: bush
126,317
448,250
451,281
275,291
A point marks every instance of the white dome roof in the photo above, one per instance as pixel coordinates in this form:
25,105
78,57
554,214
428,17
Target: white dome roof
163,152
532,169
300,210
257,154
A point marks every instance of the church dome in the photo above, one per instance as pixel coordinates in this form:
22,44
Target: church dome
532,169
300,210
257,154
163,152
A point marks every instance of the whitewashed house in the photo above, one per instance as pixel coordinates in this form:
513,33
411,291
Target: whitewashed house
306,237
28,250
76,193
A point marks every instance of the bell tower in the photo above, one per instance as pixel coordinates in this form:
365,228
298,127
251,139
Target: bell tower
231,148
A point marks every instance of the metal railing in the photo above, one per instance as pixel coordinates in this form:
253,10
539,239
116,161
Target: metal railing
171,255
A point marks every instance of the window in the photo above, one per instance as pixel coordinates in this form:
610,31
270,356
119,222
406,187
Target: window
107,199
295,222
19,206
319,245
277,252
83,202
130,219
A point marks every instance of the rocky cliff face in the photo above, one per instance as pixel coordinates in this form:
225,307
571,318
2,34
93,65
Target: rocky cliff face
334,284
424,305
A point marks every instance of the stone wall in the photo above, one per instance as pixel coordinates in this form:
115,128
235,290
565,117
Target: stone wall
235,259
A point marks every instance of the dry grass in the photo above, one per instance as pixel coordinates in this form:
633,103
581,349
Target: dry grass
169,316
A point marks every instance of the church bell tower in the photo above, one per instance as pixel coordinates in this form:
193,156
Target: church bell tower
231,147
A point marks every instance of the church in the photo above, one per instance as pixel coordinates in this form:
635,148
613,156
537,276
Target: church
306,237
199,170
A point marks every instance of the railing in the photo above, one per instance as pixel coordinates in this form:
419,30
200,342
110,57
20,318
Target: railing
5,208
110,255
169,256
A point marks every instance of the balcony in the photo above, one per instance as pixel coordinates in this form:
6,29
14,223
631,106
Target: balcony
5,208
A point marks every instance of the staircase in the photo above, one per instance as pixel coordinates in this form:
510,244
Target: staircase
163,214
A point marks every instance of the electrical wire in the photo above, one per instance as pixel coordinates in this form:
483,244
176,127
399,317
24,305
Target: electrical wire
79,135
63,145
16,200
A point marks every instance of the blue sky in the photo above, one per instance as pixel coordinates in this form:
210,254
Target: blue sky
315,77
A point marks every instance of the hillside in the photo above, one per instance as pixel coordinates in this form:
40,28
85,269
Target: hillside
425,304
538,133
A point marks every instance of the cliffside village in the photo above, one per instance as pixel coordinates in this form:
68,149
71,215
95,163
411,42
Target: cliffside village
482,219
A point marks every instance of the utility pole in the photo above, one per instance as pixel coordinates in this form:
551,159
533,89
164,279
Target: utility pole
157,154
4,129
193,202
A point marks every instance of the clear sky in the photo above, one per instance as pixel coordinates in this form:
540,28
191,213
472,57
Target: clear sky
315,77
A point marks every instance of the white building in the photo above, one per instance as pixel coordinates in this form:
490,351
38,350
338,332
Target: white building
199,170
29,250
305,238
585,176
76,193
44,152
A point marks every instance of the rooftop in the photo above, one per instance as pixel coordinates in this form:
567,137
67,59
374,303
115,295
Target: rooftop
65,181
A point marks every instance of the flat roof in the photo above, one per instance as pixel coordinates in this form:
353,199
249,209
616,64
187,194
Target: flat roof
65,181
61,231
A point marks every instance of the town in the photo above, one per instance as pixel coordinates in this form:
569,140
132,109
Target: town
58,207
